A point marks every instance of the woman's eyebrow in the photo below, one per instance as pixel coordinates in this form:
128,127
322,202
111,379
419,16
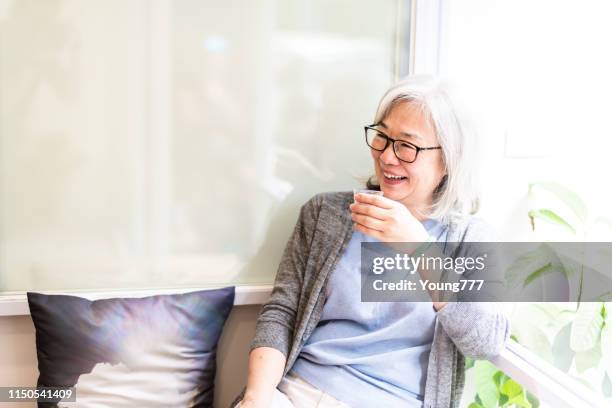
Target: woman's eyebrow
406,134
412,135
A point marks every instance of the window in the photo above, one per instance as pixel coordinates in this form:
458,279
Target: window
170,143
537,78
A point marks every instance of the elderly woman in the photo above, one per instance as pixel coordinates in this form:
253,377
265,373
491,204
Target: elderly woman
316,344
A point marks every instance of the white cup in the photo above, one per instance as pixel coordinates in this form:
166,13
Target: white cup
366,191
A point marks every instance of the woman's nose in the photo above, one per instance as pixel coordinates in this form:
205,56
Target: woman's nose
388,155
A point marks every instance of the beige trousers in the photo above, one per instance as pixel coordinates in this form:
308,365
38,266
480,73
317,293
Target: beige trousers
294,392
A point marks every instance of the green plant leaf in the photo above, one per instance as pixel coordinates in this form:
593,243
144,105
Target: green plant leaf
568,197
519,401
534,339
499,378
475,405
511,388
588,359
544,270
570,257
528,262
551,217
606,341
586,327
544,315
562,353
551,310
533,400
485,387
469,363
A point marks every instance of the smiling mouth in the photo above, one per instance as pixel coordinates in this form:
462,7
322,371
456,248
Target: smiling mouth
393,177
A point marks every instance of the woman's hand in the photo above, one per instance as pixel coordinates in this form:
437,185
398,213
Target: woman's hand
386,220
252,403
439,305
266,366
389,221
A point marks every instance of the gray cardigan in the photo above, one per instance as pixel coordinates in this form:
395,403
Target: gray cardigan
323,230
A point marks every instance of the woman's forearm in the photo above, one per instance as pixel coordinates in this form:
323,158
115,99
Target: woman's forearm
266,366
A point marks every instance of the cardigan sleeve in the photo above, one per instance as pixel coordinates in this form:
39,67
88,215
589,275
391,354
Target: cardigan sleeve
478,329
277,319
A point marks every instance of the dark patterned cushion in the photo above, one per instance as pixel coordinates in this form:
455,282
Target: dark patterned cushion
131,352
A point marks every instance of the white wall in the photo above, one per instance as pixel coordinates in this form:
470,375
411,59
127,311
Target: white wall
19,364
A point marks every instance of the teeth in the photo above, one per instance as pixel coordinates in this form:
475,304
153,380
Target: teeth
391,176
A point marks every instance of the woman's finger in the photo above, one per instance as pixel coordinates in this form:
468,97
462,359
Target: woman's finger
369,210
377,200
368,231
368,222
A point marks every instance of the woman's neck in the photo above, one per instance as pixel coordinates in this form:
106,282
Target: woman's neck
418,211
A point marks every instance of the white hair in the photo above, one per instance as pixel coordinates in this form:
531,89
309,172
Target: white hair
455,197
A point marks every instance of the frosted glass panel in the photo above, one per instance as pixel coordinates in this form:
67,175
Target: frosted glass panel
170,143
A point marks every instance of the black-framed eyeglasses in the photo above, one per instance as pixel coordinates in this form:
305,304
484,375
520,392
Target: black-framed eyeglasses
404,151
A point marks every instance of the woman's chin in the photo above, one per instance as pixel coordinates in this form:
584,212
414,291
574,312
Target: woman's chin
391,193
396,194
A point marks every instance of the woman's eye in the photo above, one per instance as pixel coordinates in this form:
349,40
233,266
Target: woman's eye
380,138
407,146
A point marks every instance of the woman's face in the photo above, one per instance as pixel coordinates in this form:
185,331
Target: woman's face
419,178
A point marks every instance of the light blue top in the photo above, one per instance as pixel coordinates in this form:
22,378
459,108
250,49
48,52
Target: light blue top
372,353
